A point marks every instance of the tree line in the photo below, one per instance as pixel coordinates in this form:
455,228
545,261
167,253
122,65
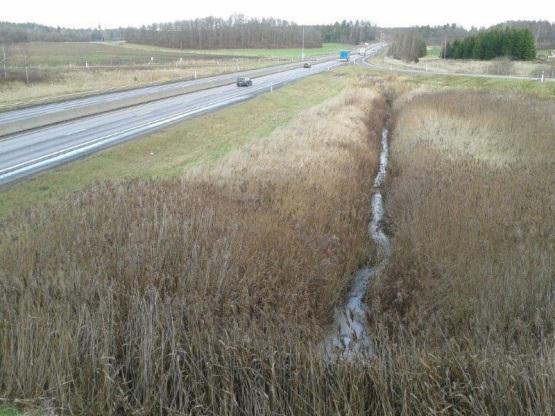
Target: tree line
542,31
348,32
237,31
516,44
407,44
32,32
217,33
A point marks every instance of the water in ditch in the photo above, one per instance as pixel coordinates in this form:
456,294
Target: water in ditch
349,337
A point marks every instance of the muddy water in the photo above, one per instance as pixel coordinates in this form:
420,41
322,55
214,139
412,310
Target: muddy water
349,337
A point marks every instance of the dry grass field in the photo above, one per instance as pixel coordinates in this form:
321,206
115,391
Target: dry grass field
468,66
210,292
468,296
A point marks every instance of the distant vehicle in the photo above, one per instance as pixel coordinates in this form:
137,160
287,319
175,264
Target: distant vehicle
362,51
244,82
344,56
307,65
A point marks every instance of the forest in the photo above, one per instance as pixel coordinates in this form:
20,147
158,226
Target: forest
517,44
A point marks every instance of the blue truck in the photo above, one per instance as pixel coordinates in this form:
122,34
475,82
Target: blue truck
344,56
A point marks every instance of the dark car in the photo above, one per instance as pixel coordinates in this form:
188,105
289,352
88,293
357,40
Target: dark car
307,65
244,82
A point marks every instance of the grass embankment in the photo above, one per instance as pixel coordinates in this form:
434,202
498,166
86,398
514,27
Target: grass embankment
205,295
174,150
467,297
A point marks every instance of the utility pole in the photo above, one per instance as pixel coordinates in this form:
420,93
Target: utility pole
27,71
302,51
4,62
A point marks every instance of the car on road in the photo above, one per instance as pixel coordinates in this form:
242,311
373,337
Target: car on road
244,82
307,65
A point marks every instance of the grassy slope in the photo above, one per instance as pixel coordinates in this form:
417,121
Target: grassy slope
176,149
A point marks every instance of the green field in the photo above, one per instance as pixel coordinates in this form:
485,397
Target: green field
77,53
326,49
433,51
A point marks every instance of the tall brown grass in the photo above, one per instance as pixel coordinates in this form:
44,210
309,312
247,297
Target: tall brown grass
471,281
203,295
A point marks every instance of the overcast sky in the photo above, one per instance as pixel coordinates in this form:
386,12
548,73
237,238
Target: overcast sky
115,13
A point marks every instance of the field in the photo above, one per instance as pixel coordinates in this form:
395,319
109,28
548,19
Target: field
61,70
197,271
433,63
286,53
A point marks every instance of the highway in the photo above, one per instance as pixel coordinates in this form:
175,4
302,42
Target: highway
27,153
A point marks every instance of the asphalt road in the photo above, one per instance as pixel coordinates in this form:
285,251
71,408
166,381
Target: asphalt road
25,154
